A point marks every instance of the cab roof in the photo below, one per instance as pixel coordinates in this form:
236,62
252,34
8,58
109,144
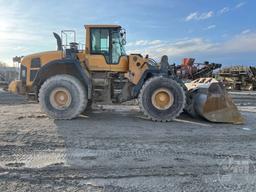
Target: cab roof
102,26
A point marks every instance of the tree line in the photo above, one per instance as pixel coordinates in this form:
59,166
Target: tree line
2,64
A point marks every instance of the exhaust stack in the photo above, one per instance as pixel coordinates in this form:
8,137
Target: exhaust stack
59,41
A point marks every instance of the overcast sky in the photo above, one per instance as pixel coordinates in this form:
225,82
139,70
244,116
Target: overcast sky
222,31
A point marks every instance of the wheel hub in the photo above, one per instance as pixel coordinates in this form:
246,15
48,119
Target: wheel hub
162,99
60,98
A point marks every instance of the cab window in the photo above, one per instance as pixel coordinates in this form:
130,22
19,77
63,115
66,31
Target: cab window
107,42
100,42
116,47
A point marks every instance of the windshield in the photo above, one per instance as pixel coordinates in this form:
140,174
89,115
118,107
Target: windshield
117,46
118,41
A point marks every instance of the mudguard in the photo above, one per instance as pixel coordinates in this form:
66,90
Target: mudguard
63,66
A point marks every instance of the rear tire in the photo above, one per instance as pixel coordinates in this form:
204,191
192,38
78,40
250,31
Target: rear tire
162,99
63,97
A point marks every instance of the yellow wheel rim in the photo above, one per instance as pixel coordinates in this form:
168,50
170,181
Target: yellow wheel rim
60,98
162,99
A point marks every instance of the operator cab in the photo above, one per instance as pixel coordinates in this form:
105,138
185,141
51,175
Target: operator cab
108,42
105,47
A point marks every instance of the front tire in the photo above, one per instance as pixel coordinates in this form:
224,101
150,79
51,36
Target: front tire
62,97
162,99
88,108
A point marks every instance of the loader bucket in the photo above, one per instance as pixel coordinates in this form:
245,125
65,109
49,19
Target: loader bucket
209,99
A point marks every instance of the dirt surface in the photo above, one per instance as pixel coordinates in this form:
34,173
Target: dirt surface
115,149
246,98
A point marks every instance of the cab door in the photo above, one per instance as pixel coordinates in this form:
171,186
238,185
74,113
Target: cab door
99,50
105,51
119,59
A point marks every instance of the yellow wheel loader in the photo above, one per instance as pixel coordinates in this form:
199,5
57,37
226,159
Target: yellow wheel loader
67,81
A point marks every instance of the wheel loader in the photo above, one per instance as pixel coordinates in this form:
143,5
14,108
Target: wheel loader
67,81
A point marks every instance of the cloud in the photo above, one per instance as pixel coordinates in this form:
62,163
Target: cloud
243,43
173,48
224,10
246,31
155,42
143,43
206,15
20,48
228,9
199,16
191,16
211,27
240,4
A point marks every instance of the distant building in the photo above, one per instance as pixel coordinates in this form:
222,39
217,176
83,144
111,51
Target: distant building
7,74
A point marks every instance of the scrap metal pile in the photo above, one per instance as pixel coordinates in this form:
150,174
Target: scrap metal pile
189,70
238,78
233,78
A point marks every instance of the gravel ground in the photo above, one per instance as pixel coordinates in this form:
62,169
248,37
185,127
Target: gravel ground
116,149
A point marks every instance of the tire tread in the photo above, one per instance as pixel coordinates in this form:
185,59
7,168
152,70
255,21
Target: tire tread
73,80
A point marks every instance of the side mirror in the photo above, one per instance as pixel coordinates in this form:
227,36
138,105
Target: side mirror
123,41
123,36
